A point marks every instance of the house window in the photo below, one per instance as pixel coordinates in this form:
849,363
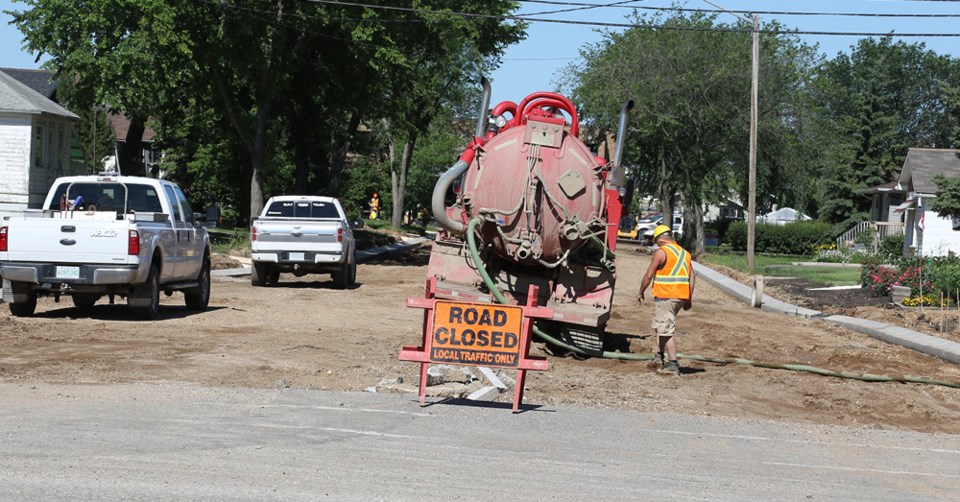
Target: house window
956,223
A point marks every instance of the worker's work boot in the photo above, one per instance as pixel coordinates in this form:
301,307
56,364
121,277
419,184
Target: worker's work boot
657,360
671,368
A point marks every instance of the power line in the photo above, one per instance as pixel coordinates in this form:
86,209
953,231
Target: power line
761,12
631,25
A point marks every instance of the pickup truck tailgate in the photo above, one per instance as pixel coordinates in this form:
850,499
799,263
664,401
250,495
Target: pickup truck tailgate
298,235
57,240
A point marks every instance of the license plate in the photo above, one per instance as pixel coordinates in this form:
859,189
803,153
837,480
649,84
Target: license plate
68,272
297,257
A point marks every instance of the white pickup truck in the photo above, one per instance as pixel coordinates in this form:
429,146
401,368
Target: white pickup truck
106,235
302,235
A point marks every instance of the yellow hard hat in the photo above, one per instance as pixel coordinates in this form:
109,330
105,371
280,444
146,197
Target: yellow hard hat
660,230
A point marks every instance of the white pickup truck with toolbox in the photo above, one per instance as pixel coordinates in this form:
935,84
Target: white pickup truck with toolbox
106,235
302,235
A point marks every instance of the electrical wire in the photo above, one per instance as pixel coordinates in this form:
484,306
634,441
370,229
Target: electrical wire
598,24
734,11
531,19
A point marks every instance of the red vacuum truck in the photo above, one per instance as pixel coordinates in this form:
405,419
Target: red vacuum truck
528,203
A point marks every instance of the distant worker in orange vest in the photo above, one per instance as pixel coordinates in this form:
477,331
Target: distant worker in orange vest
671,272
375,206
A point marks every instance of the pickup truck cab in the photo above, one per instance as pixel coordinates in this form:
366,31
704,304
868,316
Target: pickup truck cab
302,235
102,235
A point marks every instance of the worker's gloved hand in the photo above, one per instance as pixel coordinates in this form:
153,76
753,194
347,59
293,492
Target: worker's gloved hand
640,298
687,304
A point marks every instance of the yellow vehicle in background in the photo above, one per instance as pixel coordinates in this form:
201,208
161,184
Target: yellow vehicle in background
641,225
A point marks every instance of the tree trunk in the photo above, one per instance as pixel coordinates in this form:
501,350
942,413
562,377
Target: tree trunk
341,145
692,225
130,157
301,162
399,186
256,187
243,210
666,193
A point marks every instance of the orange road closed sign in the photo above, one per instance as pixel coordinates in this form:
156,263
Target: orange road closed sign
476,334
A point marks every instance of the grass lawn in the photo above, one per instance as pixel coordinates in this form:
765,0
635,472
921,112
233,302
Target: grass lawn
781,266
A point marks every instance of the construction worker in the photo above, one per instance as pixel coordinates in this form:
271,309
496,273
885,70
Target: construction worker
673,278
375,206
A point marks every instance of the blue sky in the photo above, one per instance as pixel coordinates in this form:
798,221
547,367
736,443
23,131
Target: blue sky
532,65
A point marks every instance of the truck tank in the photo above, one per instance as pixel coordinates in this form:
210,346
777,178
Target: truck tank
543,210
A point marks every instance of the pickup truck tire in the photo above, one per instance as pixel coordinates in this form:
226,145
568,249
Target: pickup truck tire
347,275
199,297
27,308
149,289
258,274
273,275
84,301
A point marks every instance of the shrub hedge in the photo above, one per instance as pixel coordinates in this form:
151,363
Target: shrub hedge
793,238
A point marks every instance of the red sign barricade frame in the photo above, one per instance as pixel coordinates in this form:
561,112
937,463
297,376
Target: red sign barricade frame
526,362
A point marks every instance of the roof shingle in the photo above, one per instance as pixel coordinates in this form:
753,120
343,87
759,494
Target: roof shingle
17,97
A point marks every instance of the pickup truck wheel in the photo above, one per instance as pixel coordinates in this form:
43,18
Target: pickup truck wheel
199,297
341,278
273,275
353,272
27,308
84,301
258,274
149,290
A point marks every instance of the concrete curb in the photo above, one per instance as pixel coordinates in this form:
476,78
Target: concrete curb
362,256
931,345
744,293
921,342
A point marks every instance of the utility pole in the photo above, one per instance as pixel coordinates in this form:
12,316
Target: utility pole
752,196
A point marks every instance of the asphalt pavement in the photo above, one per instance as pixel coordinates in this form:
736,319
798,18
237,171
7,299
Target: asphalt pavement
183,442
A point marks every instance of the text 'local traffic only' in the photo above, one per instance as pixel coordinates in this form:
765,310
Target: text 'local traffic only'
476,334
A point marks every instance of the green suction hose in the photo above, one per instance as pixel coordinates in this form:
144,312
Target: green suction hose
865,377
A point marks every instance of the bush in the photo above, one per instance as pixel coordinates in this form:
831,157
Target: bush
882,280
927,301
916,279
944,273
891,248
720,226
914,273
868,267
793,238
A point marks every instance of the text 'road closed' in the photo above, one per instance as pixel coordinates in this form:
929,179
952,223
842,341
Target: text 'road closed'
476,334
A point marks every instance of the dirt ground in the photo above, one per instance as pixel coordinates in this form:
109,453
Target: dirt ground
943,323
306,334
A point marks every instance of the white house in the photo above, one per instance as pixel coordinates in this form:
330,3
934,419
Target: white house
35,136
926,233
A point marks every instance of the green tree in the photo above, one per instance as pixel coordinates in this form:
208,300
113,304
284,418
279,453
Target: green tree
947,201
878,101
689,131
124,54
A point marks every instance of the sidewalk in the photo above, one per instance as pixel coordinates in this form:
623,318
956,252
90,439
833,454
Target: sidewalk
921,342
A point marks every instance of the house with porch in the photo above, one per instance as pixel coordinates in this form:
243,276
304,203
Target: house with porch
925,232
35,137
886,215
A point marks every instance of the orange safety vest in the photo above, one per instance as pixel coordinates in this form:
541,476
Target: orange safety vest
673,278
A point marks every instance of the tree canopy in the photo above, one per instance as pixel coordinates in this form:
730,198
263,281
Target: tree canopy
290,82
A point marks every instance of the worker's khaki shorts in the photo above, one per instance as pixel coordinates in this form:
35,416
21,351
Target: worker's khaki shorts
665,315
